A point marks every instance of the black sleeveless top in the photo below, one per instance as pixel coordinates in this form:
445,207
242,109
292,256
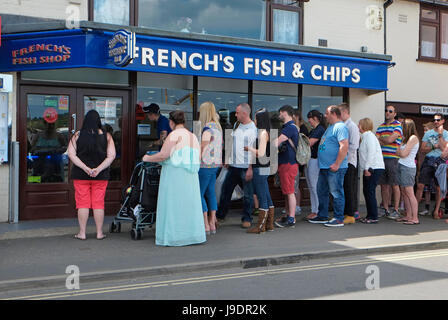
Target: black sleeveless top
265,158
91,159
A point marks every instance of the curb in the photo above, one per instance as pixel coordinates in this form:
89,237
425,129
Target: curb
245,263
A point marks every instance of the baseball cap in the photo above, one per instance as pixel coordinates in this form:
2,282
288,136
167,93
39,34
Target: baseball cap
152,108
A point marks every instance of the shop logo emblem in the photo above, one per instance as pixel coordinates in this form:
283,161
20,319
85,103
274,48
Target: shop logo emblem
121,48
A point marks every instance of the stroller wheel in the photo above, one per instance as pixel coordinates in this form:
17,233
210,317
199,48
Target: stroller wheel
136,234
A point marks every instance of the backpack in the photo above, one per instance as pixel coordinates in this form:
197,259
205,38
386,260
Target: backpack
303,150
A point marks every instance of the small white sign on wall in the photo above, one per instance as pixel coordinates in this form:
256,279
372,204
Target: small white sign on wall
5,83
434,109
4,136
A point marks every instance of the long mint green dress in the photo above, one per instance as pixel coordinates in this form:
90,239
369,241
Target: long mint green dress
180,220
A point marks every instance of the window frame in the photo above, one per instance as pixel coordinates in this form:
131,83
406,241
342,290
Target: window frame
437,23
270,7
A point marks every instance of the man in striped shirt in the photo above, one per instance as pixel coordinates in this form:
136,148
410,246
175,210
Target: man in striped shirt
390,135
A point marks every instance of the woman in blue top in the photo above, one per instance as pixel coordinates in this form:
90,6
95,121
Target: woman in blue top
179,210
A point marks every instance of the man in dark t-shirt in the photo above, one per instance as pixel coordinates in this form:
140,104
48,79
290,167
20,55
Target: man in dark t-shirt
287,164
163,124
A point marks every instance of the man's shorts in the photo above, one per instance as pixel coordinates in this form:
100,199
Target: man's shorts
287,173
390,175
428,170
89,194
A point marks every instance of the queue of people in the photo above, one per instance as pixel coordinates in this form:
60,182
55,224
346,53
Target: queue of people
188,209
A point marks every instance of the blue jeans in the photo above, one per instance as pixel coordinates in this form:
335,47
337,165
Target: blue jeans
369,188
331,182
207,180
234,177
261,188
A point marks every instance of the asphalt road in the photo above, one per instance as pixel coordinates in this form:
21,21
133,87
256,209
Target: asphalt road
412,275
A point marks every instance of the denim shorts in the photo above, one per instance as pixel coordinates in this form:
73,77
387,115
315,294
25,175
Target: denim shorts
406,176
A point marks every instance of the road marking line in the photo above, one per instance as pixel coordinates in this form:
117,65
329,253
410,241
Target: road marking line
176,282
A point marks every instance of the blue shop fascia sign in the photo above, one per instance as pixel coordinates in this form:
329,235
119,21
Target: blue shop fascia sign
124,50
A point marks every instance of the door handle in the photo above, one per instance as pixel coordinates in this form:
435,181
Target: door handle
74,123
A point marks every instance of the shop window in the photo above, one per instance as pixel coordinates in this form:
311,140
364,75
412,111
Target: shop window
434,34
225,94
47,123
113,12
170,92
272,96
319,98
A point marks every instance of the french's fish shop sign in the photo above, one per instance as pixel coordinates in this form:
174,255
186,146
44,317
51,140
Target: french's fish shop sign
162,55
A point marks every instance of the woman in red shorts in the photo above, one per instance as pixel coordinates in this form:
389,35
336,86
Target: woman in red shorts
91,151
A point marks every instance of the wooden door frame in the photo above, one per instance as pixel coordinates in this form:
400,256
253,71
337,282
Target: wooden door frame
23,142
75,94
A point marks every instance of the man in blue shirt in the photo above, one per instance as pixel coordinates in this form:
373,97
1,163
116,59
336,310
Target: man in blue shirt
332,158
163,124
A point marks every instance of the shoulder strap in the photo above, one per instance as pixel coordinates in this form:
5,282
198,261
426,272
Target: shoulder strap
292,144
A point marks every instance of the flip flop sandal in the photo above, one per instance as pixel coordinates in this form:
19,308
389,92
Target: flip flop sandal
79,238
102,238
411,223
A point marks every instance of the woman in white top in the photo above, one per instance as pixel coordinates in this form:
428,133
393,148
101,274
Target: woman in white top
407,170
372,167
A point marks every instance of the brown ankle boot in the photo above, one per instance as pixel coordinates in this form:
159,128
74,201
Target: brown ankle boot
261,224
270,219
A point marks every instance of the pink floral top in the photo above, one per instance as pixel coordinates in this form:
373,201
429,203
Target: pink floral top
212,154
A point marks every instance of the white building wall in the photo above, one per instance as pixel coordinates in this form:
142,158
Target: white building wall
343,24
411,80
4,168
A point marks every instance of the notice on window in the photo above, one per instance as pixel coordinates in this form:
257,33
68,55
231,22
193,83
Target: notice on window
63,103
4,138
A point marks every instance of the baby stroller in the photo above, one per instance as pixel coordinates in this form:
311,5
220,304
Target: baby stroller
139,200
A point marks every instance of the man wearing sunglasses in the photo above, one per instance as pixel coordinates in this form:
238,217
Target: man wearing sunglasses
433,143
390,134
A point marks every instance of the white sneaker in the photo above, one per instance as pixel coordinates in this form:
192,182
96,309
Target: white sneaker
424,212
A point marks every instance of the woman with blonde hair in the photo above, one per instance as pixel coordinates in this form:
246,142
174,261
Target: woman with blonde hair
211,161
407,170
371,164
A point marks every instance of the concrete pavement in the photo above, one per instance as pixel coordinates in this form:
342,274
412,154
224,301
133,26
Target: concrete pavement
37,253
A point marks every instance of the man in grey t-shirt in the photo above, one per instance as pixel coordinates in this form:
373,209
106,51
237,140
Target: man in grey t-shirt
240,166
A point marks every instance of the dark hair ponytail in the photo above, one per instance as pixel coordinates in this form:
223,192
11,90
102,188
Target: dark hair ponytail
319,116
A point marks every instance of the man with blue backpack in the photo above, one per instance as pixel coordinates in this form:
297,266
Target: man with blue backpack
288,167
